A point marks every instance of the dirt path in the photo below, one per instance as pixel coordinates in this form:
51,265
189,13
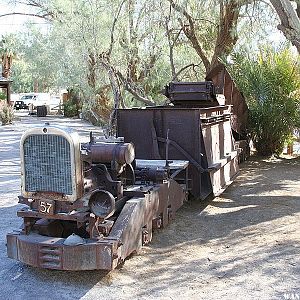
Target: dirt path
242,245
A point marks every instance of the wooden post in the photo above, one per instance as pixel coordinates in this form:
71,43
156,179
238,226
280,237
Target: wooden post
290,149
8,94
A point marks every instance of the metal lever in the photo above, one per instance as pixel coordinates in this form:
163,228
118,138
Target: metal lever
167,150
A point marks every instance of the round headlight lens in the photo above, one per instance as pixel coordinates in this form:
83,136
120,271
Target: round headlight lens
102,204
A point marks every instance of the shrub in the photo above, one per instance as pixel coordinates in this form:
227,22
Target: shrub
70,109
269,83
73,106
6,113
2,95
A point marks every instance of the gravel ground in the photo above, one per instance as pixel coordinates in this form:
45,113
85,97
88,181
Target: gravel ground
242,245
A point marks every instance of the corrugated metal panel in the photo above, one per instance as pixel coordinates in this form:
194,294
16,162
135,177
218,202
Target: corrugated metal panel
47,163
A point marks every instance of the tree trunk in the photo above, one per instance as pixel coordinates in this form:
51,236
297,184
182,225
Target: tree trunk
225,39
227,36
6,65
290,23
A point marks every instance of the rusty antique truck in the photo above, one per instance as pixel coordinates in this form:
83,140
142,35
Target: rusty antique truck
90,205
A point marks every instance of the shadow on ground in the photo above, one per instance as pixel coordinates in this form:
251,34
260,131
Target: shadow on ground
244,241
230,241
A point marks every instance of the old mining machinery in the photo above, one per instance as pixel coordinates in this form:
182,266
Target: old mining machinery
90,205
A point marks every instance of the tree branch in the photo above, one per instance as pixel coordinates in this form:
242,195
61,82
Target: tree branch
226,38
112,40
148,67
189,31
45,16
170,42
290,23
128,86
182,69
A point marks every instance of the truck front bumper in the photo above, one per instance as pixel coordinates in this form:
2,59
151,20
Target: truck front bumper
51,253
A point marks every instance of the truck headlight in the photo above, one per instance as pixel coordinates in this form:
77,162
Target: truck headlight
102,204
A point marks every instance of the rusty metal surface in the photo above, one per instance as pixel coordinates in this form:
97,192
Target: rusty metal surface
51,253
102,204
192,150
105,180
174,195
200,135
123,153
60,206
131,229
149,137
225,85
78,216
191,94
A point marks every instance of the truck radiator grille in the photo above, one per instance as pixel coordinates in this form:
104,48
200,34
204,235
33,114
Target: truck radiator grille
47,164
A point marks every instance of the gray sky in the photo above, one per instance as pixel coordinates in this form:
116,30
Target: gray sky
14,23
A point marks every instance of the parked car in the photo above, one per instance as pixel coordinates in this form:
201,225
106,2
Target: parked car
19,104
25,101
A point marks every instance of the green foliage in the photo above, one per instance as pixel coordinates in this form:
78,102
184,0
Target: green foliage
6,113
60,57
135,38
269,83
70,109
2,96
73,105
